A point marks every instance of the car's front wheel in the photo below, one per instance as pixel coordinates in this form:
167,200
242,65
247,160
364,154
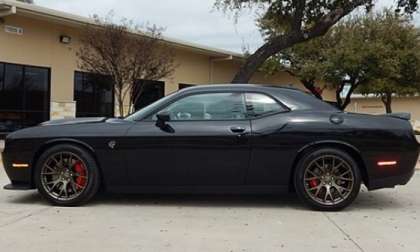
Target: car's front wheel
327,179
67,175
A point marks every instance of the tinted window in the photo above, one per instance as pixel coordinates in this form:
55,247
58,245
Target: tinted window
183,85
13,89
217,106
36,83
94,95
24,96
148,92
299,100
260,104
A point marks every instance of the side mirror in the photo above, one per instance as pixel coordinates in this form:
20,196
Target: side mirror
163,116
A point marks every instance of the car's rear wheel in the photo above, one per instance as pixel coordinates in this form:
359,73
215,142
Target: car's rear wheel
327,179
67,175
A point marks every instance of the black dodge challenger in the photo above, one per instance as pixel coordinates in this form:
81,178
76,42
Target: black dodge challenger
217,139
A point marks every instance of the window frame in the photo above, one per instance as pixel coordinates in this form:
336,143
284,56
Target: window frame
47,109
243,92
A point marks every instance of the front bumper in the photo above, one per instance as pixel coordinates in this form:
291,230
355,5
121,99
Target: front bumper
21,178
18,187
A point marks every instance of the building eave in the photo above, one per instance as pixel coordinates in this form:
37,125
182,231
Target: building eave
64,18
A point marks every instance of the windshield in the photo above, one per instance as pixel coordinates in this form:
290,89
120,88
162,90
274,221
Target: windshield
136,116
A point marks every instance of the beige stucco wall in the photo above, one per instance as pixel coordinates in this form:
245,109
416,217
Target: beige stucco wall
375,106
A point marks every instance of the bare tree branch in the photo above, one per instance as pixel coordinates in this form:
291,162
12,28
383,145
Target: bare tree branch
127,55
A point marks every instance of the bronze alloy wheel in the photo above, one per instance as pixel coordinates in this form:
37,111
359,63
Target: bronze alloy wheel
328,180
64,176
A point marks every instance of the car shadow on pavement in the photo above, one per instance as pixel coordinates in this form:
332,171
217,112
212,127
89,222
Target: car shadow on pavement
366,200
234,201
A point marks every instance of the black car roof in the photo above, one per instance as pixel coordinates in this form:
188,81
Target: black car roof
239,87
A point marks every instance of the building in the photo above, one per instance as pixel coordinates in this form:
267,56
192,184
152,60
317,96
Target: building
40,79
370,104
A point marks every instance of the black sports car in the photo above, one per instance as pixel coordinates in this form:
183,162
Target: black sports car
217,139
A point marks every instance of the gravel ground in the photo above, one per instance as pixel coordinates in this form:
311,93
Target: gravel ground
384,220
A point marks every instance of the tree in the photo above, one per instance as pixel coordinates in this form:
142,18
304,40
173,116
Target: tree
340,59
304,62
127,55
396,43
349,57
295,21
356,54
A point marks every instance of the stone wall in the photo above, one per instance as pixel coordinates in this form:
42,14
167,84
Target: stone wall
62,110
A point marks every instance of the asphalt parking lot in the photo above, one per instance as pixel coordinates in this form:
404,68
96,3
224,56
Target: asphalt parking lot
385,220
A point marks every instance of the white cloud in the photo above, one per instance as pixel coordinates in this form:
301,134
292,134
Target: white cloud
190,20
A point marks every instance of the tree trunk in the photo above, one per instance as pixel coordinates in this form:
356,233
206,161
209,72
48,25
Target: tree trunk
277,44
310,85
342,105
120,101
255,61
387,100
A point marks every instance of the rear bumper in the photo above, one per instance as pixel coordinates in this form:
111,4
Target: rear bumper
390,182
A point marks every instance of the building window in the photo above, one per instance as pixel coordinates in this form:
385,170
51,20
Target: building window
24,96
183,85
94,95
149,92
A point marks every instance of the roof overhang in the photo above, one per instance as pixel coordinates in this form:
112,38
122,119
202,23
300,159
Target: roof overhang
11,7
6,10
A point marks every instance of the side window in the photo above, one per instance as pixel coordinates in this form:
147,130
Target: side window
261,104
216,106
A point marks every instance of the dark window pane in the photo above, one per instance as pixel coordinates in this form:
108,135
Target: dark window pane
24,96
94,95
36,88
11,120
1,77
182,86
12,97
148,92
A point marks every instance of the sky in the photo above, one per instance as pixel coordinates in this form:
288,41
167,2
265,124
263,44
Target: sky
189,20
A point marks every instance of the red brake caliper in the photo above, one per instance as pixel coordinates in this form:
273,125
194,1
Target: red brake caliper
313,183
81,170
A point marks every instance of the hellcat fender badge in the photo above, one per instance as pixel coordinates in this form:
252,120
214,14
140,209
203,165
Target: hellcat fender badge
112,144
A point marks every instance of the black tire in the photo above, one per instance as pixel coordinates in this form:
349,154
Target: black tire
304,190
91,185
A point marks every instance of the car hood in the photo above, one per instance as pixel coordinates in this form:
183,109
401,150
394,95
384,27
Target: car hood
74,121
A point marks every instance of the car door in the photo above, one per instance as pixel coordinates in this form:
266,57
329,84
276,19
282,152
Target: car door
205,142
272,146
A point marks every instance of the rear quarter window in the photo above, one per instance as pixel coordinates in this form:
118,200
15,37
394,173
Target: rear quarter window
260,104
